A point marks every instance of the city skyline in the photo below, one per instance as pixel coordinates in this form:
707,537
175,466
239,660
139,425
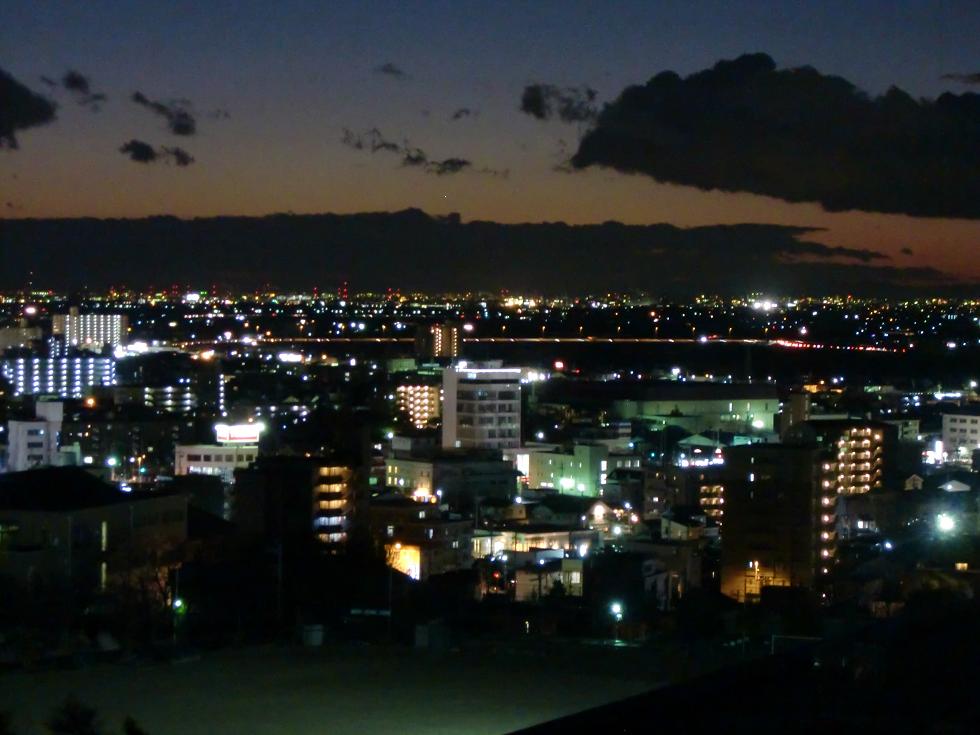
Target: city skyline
452,109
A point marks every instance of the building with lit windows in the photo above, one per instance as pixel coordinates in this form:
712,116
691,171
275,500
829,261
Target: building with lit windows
438,340
20,336
773,519
418,539
582,470
459,478
711,499
300,504
65,377
481,408
90,331
237,447
422,404
213,459
961,435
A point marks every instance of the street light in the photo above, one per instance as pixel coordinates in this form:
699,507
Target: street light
616,610
945,523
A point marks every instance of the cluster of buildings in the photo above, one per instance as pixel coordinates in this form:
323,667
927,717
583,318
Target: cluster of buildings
537,483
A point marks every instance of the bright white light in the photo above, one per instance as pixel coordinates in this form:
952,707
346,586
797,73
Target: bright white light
945,522
616,608
467,327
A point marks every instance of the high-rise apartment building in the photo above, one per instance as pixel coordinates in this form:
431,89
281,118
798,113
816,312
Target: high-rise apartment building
421,403
90,331
302,503
771,536
481,408
781,502
438,340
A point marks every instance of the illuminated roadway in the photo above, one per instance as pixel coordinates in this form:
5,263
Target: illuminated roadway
553,340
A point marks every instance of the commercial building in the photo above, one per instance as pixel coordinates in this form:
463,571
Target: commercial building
237,447
90,331
481,408
961,435
66,377
213,459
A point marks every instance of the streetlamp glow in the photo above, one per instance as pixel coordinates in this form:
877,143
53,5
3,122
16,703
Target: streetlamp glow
616,610
945,523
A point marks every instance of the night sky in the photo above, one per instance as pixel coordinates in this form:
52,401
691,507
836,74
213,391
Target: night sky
251,108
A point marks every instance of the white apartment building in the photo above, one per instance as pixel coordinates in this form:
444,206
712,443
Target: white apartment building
961,435
66,377
481,408
90,331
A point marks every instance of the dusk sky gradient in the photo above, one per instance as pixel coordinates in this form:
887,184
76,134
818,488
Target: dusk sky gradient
293,75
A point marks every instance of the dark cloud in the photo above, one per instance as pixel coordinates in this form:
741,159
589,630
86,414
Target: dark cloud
48,81
81,88
177,113
139,151
373,141
568,104
391,70
551,258
179,156
973,78
463,112
20,108
449,166
797,135
142,152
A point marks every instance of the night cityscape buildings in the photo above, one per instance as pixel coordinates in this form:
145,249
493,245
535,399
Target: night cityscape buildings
629,381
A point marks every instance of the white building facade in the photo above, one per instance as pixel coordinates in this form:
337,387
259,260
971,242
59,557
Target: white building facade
90,331
481,408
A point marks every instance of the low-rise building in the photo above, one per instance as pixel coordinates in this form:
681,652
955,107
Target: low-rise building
961,435
458,478
64,522
535,582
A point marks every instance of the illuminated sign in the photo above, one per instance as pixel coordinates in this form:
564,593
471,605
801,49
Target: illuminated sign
238,433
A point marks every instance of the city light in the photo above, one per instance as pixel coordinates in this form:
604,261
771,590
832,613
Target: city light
616,610
945,523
